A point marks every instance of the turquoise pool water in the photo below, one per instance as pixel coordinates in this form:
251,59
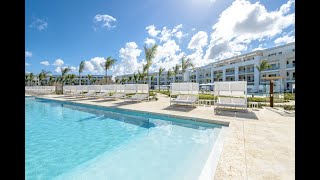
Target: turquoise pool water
66,141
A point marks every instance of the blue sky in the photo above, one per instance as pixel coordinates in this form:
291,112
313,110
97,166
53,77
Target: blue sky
63,33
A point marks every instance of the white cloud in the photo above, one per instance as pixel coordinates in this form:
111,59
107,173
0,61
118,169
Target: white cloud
198,41
193,29
27,64
28,54
259,48
152,30
58,62
129,60
166,34
40,24
149,41
105,19
58,69
167,56
236,28
45,63
167,49
74,69
93,66
284,40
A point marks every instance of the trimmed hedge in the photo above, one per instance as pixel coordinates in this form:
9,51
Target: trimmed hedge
289,107
289,96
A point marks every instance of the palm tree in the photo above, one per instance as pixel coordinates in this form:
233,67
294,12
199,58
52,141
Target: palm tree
175,71
51,80
185,64
263,66
64,72
117,80
135,77
107,65
169,74
43,75
159,75
130,78
141,76
93,81
31,77
150,53
123,80
89,78
219,76
26,79
81,67
71,78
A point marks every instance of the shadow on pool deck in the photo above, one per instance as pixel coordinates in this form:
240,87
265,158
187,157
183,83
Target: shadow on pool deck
182,108
235,113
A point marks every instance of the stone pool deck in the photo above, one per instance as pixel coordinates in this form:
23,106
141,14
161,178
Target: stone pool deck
260,144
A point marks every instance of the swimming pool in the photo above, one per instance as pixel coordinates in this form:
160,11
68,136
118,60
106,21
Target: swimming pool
68,141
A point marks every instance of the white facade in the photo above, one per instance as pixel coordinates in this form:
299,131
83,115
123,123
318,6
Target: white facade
242,67
84,80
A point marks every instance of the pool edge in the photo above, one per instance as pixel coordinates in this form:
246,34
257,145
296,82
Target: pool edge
219,122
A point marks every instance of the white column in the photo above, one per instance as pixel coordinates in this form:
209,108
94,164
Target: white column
211,74
197,76
224,74
236,73
256,76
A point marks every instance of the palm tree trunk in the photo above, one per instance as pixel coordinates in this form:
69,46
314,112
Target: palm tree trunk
79,79
106,75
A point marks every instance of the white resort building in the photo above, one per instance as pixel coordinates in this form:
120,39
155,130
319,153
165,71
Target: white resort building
242,67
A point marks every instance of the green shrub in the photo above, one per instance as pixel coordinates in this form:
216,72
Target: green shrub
289,96
266,99
207,96
289,107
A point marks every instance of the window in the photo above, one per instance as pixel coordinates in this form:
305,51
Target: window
280,53
294,74
287,62
287,73
293,50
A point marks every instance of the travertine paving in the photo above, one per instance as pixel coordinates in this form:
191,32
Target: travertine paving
260,144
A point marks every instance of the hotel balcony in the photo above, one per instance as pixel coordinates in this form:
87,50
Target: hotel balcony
274,68
290,66
246,71
230,73
289,79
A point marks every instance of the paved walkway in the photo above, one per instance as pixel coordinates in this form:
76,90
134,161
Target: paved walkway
260,143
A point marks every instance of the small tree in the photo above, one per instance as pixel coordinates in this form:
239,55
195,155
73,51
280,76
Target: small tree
263,66
159,75
81,68
169,74
89,78
185,64
107,65
176,71
135,78
219,76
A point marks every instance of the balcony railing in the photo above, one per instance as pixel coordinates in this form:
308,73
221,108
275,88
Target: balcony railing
291,65
272,68
230,73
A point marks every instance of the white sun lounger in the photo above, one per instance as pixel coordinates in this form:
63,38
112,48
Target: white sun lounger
138,97
185,99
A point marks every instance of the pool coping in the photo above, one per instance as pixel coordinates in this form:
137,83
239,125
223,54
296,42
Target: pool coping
213,121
